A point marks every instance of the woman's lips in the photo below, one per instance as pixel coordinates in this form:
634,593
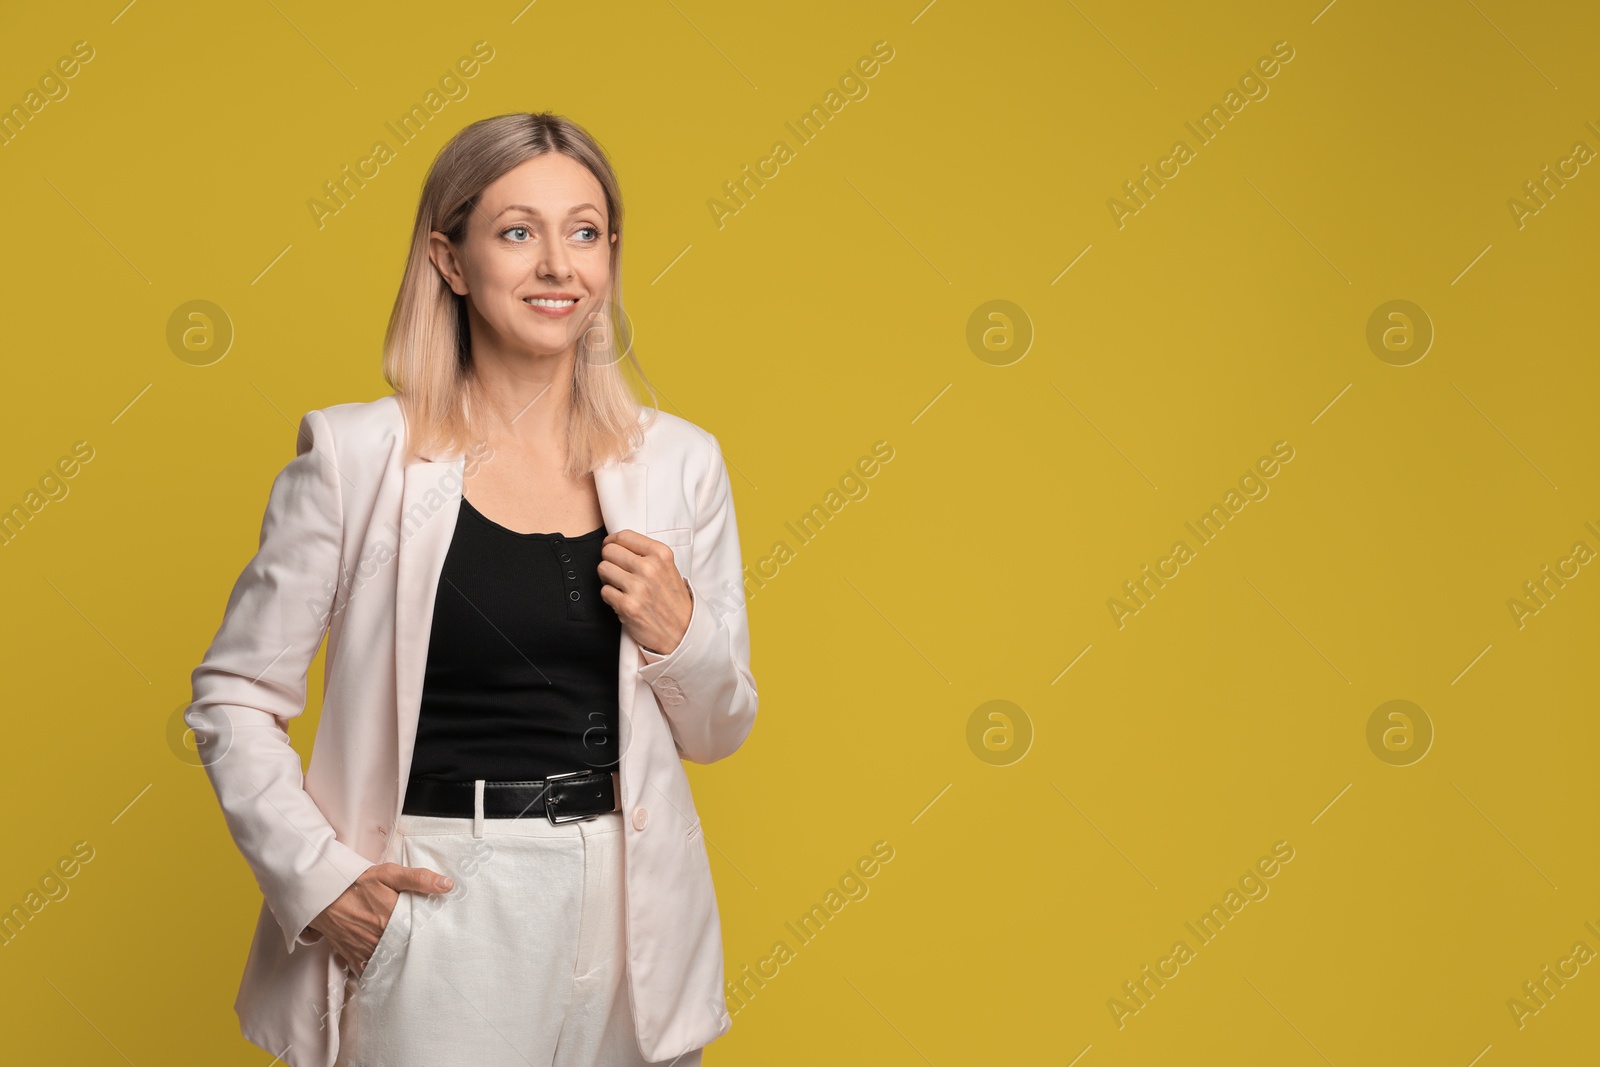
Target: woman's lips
555,309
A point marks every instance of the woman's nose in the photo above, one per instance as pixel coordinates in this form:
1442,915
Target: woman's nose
553,262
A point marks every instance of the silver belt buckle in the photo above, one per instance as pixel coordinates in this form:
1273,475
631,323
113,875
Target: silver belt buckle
552,816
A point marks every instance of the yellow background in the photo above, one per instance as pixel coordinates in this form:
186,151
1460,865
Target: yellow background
830,313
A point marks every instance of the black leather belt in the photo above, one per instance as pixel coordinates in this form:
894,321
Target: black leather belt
560,797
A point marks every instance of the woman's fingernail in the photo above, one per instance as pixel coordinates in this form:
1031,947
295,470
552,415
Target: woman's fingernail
447,883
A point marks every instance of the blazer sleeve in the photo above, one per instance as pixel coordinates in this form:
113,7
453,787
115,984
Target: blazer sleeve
704,685
252,681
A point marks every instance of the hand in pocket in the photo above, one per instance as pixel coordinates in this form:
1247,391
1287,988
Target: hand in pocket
355,922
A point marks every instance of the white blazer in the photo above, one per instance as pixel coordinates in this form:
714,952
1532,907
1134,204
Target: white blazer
352,545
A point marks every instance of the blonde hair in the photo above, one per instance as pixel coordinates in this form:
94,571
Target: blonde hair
427,349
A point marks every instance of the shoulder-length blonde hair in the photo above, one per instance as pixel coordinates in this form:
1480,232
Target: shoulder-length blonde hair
427,349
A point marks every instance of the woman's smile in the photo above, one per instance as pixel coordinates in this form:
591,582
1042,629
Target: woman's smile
555,308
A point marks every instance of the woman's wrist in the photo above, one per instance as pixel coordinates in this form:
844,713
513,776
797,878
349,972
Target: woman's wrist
685,633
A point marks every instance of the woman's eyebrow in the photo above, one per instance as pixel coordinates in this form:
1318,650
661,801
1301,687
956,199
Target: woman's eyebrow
537,214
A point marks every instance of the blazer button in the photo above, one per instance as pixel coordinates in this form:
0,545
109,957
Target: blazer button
639,817
666,681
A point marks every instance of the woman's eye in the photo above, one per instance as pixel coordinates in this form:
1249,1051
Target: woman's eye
593,230
514,229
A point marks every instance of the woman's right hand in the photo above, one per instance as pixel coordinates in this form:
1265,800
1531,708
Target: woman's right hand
354,923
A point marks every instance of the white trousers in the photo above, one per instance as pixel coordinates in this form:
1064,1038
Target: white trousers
521,964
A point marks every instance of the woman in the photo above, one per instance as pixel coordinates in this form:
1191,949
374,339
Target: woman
531,590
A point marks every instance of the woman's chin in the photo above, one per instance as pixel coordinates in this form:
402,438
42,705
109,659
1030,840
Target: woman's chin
546,343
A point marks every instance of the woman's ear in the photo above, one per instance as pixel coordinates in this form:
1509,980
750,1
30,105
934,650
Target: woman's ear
444,261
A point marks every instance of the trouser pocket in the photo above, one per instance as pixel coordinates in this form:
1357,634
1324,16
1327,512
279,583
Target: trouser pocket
389,954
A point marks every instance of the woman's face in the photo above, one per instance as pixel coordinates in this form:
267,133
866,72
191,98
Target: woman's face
538,232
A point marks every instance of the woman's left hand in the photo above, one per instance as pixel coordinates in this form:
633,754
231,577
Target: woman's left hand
641,583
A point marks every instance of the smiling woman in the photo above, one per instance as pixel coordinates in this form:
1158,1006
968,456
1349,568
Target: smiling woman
517,654
545,226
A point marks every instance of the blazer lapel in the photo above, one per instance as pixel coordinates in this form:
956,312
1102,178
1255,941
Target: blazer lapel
620,485
430,506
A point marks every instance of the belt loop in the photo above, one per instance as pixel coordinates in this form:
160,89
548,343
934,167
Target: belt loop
477,808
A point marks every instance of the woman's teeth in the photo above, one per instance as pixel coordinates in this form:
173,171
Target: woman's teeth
551,303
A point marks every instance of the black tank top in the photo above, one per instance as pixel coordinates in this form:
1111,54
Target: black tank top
521,677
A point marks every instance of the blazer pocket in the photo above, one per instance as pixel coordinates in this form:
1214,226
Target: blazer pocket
678,538
677,535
